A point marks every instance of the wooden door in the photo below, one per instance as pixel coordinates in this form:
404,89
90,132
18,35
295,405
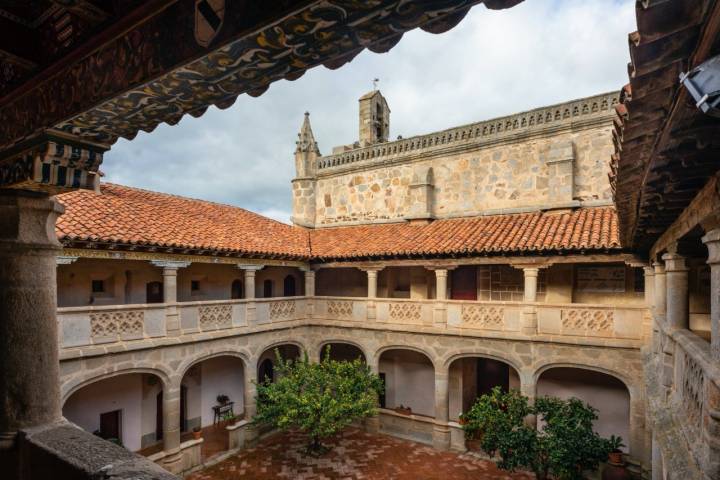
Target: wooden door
464,283
110,425
154,292
183,408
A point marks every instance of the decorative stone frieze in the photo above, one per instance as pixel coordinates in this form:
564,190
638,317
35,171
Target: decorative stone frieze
213,317
340,308
489,317
282,310
405,312
119,323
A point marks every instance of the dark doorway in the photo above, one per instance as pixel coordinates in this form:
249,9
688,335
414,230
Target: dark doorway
381,397
110,425
154,292
490,374
464,283
159,416
267,289
183,408
289,286
267,370
236,290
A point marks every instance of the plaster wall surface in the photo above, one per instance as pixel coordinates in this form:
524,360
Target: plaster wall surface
221,375
410,381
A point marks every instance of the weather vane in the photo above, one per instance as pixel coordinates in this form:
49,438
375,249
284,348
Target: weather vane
375,82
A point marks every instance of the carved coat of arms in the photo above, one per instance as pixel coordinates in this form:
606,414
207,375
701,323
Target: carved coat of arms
209,16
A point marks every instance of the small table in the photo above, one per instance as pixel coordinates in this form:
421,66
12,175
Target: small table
223,412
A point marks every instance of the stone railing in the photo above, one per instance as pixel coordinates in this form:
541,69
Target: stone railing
87,326
692,380
526,122
497,316
79,326
591,321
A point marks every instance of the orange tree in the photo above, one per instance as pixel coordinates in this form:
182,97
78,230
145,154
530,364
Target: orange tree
320,399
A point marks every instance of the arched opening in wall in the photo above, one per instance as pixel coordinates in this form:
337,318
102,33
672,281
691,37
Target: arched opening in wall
267,361
289,286
213,392
123,409
472,377
604,392
342,352
409,379
154,292
236,289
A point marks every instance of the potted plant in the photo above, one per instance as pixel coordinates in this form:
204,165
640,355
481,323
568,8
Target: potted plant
615,469
402,410
461,419
197,433
222,399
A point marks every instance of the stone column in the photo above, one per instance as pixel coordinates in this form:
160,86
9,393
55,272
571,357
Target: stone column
659,289
372,274
249,401
676,282
309,290
172,461
712,241
170,296
249,281
372,424
529,319
649,333
528,387
29,365
441,430
441,294
657,463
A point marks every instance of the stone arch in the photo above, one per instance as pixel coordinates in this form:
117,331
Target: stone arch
321,345
478,353
73,385
207,355
582,366
378,353
300,345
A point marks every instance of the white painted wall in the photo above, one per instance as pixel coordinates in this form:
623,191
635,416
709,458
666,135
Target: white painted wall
410,381
221,375
123,393
603,392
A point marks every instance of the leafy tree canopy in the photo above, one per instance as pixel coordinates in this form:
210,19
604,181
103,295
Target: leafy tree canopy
320,399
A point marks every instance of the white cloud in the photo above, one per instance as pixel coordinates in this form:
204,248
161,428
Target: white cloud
494,63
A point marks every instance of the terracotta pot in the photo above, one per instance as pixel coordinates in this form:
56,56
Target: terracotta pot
462,421
616,472
472,444
403,411
616,458
197,435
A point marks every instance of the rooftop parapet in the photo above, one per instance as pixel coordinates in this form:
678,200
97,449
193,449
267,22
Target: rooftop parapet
487,131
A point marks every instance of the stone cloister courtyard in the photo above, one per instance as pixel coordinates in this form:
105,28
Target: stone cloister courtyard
355,455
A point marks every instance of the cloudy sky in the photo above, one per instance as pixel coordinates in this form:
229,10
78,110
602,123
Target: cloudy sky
493,63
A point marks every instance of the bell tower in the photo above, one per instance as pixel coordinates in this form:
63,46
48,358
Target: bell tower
306,155
374,119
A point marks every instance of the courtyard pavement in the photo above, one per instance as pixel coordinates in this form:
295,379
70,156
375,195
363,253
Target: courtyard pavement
355,455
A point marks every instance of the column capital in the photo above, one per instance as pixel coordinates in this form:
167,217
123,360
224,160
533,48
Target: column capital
308,269
250,268
530,266
170,264
373,269
674,263
65,259
712,240
649,271
659,267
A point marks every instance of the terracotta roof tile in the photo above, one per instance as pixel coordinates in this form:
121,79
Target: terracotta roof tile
130,216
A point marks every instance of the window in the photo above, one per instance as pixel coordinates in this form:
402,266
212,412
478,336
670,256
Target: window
267,288
195,286
98,286
639,280
289,286
154,292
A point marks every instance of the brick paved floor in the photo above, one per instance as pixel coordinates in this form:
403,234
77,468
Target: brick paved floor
355,455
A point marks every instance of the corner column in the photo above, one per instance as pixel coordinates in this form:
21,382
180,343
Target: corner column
676,281
170,295
249,281
372,424
441,295
29,364
660,289
528,387
712,241
649,296
441,429
250,402
172,461
309,289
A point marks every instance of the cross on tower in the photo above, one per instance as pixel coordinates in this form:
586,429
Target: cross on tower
375,82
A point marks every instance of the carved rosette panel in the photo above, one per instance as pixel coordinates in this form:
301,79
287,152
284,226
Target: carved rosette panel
215,316
113,324
340,308
483,316
692,382
405,312
283,310
599,322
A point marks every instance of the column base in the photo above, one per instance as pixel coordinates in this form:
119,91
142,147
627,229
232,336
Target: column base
441,437
372,424
173,461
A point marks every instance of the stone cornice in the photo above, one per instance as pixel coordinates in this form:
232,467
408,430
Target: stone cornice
579,114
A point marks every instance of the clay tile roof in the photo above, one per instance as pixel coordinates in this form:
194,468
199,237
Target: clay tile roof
581,230
124,215
129,216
